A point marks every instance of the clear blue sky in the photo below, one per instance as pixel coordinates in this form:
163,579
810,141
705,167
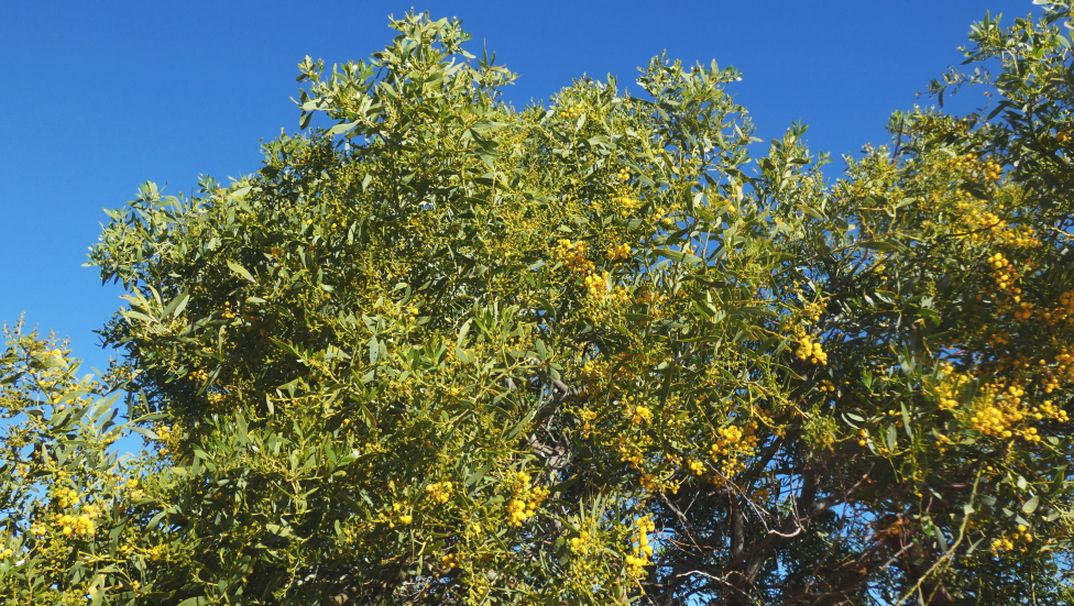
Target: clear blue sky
102,96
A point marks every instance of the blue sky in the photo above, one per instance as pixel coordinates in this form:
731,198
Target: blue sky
105,95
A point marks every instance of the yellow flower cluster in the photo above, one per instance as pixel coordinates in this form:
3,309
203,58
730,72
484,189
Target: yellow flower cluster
450,560
632,449
594,370
587,416
572,112
643,551
810,350
618,252
950,387
167,437
1021,539
996,420
651,483
983,226
6,552
80,525
525,499
1023,311
970,164
581,544
726,204
1063,312
624,200
1062,373
1003,412
628,202
1019,237
967,162
400,514
667,215
227,312
641,415
574,255
439,491
1048,410
66,497
813,310
863,437
217,398
991,170
1004,275
133,487
119,374
597,284
732,447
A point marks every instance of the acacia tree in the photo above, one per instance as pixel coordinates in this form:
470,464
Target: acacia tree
439,350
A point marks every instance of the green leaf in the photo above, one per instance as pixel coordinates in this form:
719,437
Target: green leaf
522,424
679,256
883,245
177,305
241,271
941,540
464,331
541,349
341,128
906,420
856,418
1031,505
136,315
241,428
464,355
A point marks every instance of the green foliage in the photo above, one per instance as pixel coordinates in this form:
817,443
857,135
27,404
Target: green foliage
445,351
68,506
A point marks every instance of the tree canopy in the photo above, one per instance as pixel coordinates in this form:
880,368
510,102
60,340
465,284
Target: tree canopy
441,350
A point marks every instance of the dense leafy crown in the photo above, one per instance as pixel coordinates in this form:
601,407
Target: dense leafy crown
444,351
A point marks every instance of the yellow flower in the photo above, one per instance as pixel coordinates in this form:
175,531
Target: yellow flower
227,313
449,561
811,351
618,252
642,415
580,544
524,499
643,551
80,525
517,512
574,255
66,497
597,284
439,491
399,514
